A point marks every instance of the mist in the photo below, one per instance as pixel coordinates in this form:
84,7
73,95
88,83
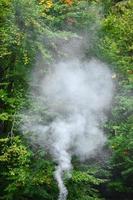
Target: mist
73,99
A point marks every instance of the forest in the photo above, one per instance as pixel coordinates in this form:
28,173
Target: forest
39,160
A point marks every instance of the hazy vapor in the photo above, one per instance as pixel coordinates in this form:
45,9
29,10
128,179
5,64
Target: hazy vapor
76,96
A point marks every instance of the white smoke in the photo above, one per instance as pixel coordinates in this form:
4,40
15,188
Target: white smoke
76,96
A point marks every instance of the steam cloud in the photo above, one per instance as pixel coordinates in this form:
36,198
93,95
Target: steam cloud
76,96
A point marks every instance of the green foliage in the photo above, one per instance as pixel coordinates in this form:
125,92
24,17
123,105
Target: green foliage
116,44
122,160
116,47
25,35
122,148
31,29
82,185
23,174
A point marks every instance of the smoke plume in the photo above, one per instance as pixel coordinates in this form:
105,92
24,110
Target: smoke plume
73,98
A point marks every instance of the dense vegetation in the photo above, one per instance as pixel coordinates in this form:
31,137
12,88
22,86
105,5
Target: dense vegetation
30,30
